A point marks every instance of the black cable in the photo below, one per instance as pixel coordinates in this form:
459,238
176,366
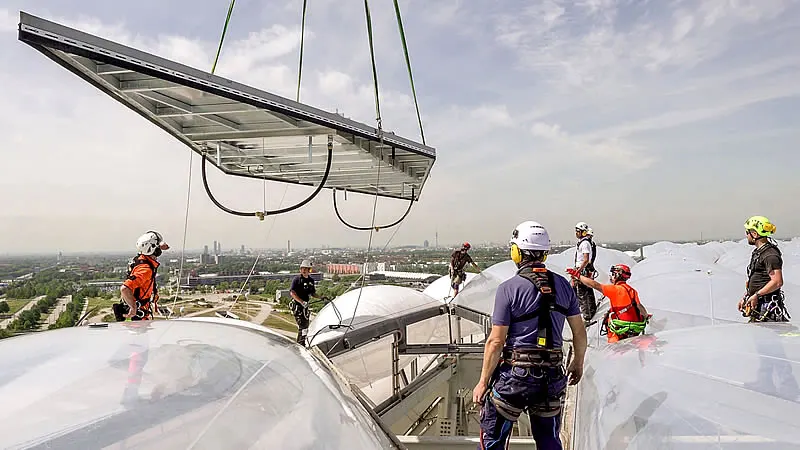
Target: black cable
336,209
261,214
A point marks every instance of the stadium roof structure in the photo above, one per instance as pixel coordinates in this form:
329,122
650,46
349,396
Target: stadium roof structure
242,130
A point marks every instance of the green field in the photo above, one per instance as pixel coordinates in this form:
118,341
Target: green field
276,323
16,305
101,303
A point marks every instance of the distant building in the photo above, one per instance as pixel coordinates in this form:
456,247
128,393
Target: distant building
426,244
344,269
192,280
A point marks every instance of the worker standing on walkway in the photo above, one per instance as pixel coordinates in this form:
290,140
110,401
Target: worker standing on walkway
523,360
302,290
763,300
139,291
626,317
585,254
458,260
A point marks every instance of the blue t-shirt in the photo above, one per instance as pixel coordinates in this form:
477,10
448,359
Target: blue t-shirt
517,296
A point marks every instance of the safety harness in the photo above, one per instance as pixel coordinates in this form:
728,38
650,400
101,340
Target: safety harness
771,307
624,328
589,270
541,356
144,308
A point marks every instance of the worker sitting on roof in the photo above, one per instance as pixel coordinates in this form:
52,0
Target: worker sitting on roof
139,291
626,317
301,291
763,298
526,340
585,254
458,260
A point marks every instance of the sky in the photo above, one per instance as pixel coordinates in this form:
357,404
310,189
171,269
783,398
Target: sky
647,119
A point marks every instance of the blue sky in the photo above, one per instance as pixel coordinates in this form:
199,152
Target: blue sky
647,119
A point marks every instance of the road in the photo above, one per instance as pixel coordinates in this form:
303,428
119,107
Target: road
6,322
266,310
57,310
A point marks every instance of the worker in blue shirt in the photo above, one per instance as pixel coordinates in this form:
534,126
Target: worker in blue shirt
523,362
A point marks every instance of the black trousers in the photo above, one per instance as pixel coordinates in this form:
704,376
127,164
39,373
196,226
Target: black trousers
301,318
586,299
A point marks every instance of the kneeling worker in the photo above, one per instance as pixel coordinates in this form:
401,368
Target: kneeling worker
526,340
627,317
139,292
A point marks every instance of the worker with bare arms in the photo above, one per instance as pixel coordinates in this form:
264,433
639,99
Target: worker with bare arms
585,254
458,260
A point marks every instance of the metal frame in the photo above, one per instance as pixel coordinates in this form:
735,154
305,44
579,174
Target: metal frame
242,130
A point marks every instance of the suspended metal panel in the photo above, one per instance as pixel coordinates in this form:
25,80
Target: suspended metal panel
242,130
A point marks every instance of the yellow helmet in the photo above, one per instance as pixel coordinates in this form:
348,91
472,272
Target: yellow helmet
760,225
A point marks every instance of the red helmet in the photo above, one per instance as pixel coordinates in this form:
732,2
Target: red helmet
466,246
622,271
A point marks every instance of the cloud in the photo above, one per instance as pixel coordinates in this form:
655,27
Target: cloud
8,22
496,115
614,150
628,87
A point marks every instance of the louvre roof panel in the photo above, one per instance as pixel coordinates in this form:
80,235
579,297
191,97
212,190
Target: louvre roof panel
242,130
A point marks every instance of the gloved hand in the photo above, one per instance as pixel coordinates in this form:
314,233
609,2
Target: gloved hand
574,273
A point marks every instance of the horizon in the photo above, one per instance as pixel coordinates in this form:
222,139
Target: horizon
172,252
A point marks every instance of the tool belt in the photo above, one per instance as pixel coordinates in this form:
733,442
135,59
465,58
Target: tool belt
771,308
533,357
298,309
143,311
542,404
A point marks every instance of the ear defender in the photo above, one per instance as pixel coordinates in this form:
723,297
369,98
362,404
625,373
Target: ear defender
516,254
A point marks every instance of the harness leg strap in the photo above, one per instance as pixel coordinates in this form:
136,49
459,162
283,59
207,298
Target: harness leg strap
506,410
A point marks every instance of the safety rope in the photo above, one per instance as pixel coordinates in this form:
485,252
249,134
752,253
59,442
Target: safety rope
286,186
377,181
183,246
408,65
191,154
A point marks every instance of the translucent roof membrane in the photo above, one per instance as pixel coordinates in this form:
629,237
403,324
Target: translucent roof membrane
175,384
241,130
374,304
729,386
370,366
701,377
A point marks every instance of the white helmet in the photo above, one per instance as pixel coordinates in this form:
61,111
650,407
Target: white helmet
582,226
590,232
306,263
531,235
149,242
